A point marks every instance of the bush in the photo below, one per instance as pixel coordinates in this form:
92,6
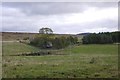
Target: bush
50,41
60,42
26,38
40,41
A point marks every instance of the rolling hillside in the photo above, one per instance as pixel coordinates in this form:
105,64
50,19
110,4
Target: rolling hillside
9,36
13,36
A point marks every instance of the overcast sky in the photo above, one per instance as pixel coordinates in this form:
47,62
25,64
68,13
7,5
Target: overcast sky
61,17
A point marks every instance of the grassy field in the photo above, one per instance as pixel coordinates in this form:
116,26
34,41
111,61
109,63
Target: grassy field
84,61
12,48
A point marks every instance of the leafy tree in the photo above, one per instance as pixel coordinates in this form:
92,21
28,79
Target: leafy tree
46,31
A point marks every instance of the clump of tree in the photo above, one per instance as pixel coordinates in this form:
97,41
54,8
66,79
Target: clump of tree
62,42
42,41
46,39
102,38
116,37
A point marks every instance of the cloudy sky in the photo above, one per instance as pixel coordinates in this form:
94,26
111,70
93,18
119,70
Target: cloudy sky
69,17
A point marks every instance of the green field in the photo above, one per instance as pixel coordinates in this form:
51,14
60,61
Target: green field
83,61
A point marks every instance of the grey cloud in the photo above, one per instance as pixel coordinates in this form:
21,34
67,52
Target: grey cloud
46,8
52,8
119,15
108,25
30,17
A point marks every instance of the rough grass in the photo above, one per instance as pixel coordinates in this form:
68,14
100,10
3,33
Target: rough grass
77,62
94,48
12,48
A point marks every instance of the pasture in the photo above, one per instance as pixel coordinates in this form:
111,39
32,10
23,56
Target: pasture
83,61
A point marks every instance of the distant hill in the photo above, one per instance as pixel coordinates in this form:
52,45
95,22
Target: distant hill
83,34
9,36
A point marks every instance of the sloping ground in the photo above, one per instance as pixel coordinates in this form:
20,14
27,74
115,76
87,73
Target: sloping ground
13,36
84,61
10,36
12,48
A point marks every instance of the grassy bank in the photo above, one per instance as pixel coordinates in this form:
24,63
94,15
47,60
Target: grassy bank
80,61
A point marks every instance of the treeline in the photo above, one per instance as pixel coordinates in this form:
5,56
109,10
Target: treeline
50,41
102,38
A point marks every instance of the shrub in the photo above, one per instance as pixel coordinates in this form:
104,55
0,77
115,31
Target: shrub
50,41
26,38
